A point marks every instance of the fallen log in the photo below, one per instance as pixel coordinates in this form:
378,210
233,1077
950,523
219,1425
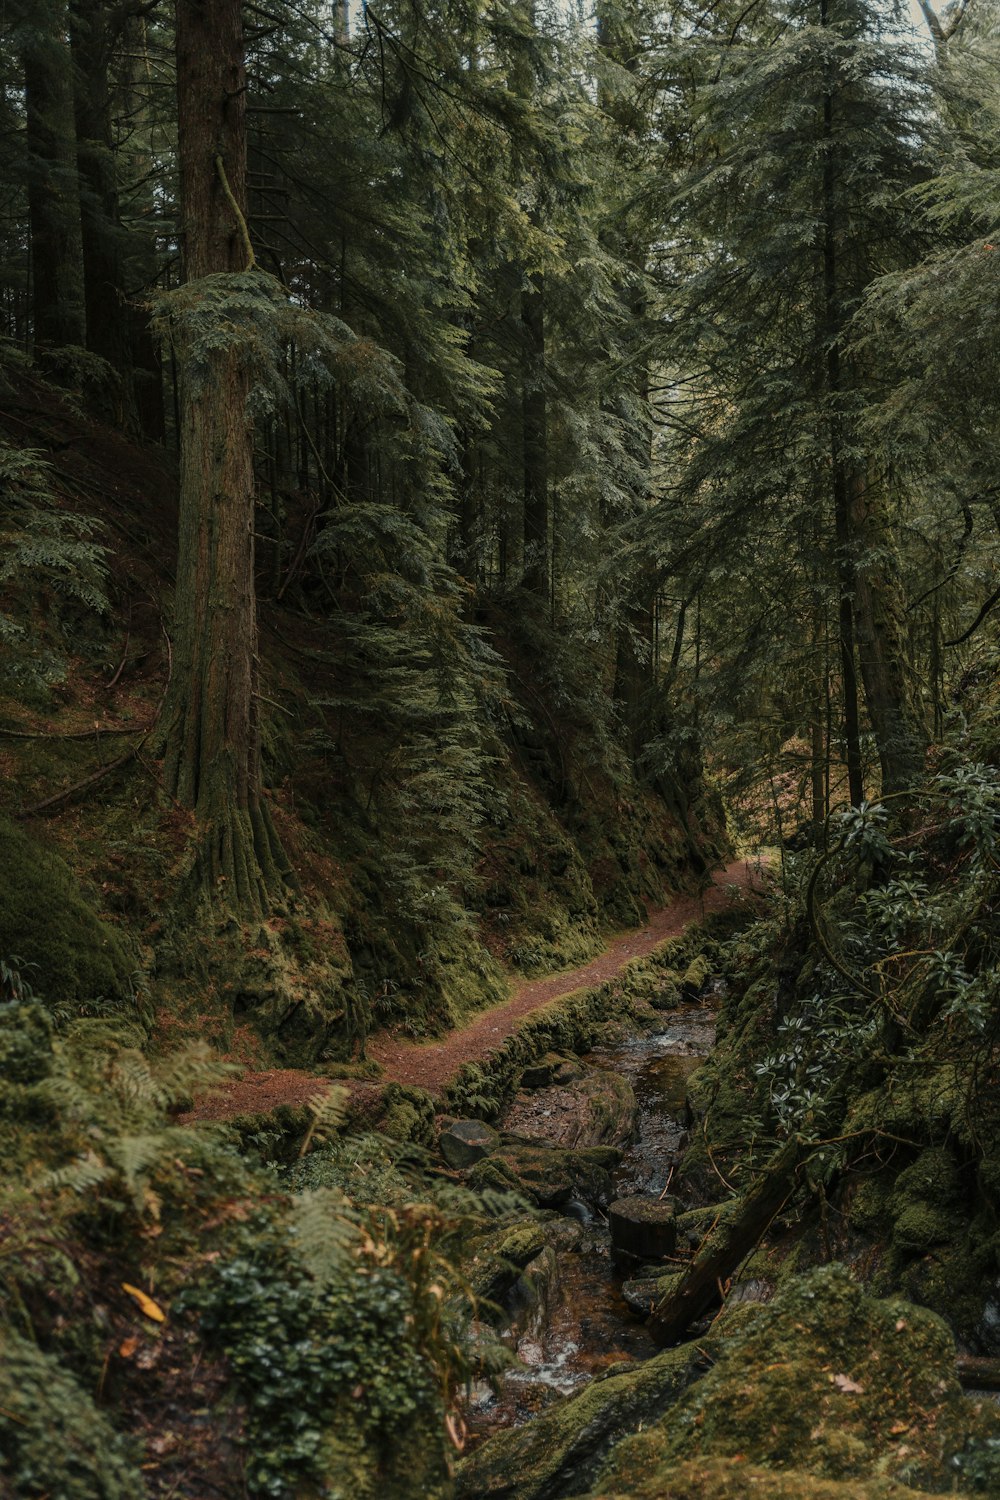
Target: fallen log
978,1373
739,1229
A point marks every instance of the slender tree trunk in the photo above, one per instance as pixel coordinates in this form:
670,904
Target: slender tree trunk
838,474
884,651
53,195
109,317
211,733
535,429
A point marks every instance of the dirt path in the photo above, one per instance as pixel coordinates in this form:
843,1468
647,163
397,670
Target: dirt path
432,1065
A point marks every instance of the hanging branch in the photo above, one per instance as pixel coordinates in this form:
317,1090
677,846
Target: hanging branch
220,167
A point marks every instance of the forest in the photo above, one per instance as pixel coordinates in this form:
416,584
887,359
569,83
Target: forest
499,749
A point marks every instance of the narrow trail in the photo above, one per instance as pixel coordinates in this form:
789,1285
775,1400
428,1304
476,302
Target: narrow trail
432,1065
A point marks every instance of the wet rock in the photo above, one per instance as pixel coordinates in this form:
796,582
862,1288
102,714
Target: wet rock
642,1293
465,1142
642,1229
560,1452
547,1175
534,1293
501,1257
695,977
598,1108
555,1069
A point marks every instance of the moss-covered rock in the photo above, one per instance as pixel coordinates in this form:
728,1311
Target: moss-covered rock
50,927
546,1175
695,977
597,1108
53,1439
497,1259
827,1380
733,1479
560,1452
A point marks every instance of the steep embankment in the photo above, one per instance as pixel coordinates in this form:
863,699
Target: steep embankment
432,1065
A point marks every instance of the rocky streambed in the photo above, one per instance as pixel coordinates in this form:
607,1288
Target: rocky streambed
804,1387
584,1138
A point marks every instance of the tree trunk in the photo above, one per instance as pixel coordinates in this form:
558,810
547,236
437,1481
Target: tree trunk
742,1224
883,647
833,318
535,429
210,729
109,317
53,195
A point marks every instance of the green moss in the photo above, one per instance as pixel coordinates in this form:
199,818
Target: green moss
409,1115
50,926
920,1226
25,1042
837,1383
53,1439
548,1175
561,1450
645,1477
867,1204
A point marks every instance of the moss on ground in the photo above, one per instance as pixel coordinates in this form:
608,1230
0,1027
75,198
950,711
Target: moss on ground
50,927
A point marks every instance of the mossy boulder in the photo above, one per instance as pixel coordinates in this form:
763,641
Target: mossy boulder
53,1439
735,1479
546,1175
828,1380
561,1451
553,1069
695,977
464,1142
499,1258
50,927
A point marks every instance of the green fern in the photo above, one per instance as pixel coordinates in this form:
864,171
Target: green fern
324,1225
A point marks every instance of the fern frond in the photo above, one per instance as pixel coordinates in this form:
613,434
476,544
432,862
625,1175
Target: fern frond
324,1225
328,1110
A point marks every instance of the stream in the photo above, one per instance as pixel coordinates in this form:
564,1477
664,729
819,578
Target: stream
582,1326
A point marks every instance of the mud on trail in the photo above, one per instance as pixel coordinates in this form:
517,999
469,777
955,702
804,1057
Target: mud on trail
432,1065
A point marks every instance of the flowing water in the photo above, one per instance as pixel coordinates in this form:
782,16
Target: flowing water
583,1326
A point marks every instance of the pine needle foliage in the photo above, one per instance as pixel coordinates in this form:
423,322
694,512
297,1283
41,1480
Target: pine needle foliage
49,560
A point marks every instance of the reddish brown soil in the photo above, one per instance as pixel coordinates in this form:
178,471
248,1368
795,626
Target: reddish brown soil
432,1065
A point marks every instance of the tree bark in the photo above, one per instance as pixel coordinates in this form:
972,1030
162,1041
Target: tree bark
535,429
108,314
883,647
53,195
739,1230
833,318
210,734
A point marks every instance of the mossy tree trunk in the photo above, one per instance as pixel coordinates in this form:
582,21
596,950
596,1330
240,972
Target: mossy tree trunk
210,736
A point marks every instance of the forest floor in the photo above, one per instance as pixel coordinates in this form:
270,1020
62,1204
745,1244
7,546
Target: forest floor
433,1064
